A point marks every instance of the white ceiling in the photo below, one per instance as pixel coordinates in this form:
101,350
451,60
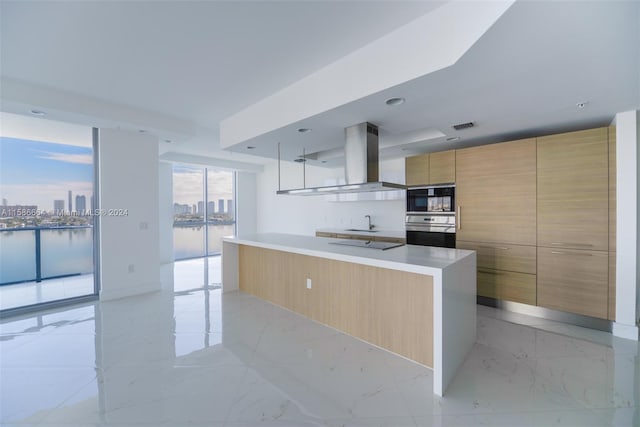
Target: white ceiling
178,68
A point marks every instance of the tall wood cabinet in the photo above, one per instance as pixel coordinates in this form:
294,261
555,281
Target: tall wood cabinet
431,168
573,222
612,223
496,207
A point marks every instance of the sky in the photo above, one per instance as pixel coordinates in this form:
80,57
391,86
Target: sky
188,185
37,173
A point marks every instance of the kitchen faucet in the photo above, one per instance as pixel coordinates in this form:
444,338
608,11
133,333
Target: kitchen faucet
370,225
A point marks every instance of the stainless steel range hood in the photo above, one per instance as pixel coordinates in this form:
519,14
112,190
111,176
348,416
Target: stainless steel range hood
361,165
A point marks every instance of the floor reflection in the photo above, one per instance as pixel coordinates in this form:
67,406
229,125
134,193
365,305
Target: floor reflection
191,355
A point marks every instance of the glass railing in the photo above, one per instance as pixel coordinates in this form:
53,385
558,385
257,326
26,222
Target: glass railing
36,254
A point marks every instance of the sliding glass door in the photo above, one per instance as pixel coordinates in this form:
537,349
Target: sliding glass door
204,210
47,179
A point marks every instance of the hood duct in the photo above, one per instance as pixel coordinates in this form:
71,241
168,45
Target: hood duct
361,165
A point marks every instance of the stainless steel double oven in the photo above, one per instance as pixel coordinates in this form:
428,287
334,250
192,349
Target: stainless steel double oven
431,216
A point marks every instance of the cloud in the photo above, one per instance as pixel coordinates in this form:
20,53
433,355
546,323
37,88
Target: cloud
85,159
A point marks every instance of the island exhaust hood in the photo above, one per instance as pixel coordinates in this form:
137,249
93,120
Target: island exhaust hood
361,165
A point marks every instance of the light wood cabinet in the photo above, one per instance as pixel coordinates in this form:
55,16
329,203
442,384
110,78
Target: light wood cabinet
506,272
505,257
361,237
416,169
431,168
325,234
612,223
389,308
507,285
496,193
573,190
612,286
573,280
442,167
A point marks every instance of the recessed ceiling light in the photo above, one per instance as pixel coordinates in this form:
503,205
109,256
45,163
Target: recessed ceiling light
394,101
323,161
304,130
142,131
453,138
582,105
299,160
39,113
168,141
250,147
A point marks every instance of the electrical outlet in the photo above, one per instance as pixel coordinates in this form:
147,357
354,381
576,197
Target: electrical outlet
308,283
132,268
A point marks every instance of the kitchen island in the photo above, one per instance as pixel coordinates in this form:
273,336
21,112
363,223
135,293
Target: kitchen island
416,301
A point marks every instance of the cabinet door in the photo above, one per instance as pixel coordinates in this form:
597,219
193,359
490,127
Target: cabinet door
573,190
442,167
612,286
573,280
325,234
416,170
496,193
612,188
516,258
507,285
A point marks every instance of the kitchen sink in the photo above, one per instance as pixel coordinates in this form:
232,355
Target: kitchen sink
362,230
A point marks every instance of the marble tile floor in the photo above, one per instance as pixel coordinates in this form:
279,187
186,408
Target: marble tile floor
197,357
28,293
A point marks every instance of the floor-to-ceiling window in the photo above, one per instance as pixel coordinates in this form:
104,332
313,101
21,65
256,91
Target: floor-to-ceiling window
203,210
46,222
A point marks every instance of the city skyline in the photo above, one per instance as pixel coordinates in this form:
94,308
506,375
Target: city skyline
40,172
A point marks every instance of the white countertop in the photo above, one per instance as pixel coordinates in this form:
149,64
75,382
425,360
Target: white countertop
411,258
397,234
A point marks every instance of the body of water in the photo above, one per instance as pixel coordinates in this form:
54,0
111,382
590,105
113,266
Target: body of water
70,250
188,242
62,252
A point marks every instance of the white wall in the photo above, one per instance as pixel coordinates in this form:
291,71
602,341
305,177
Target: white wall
627,224
165,211
306,214
129,255
246,210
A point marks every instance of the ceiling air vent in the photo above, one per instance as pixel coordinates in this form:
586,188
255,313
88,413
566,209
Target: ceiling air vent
461,126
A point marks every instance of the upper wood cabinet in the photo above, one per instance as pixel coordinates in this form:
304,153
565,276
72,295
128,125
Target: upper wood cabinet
442,167
431,168
416,170
573,190
496,193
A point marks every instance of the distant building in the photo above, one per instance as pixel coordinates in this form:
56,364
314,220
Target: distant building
230,208
194,209
70,205
58,206
81,205
201,208
211,208
4,202
220,205
179,209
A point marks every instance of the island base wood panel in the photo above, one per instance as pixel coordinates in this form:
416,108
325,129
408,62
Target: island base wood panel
388,308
